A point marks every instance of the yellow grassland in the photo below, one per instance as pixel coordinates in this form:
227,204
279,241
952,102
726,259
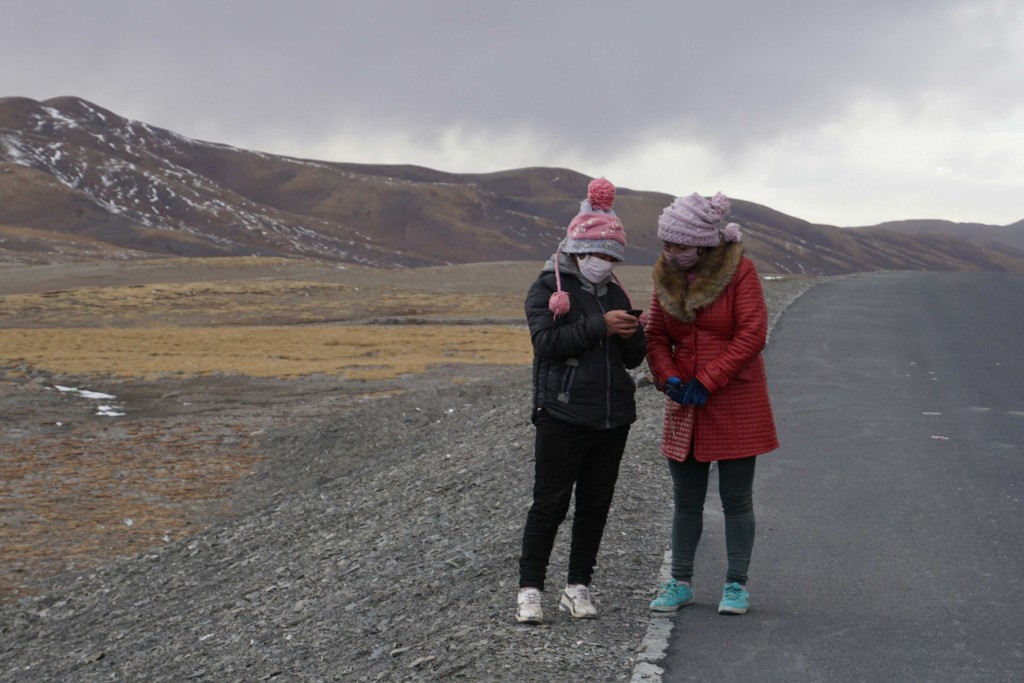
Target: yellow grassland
243,303
260,328
350,351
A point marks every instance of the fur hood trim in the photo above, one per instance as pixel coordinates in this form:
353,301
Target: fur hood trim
682,299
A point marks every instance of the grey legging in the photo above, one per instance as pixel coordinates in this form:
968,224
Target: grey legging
736,489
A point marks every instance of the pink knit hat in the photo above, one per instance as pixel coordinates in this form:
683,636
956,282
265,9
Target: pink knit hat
594,230
693,221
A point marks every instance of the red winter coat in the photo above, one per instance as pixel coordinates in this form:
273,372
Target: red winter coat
713,328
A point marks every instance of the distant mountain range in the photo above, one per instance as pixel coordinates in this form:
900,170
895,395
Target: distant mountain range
80,182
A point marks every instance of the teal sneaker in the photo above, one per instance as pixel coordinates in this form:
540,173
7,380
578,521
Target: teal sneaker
735,599
671,596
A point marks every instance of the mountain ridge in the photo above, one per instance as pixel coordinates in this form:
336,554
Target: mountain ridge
79,181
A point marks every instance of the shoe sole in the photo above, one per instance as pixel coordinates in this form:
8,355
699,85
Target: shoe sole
529,620
676,608
732,610
568,608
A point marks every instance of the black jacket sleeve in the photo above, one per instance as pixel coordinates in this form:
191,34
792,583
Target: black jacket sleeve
634,349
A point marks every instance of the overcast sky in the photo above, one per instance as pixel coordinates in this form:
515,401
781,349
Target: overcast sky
847,112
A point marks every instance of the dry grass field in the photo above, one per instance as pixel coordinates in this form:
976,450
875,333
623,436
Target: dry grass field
368,352
262,326
265,317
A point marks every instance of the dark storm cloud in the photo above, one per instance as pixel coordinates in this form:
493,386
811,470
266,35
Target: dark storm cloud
578,77
591,72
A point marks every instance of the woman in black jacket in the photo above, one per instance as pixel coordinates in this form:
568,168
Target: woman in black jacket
584,340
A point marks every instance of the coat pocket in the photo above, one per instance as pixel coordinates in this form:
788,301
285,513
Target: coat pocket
568,379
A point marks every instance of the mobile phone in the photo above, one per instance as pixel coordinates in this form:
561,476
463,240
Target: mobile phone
635,311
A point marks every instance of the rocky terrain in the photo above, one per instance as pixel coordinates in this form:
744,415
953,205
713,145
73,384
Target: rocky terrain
375,539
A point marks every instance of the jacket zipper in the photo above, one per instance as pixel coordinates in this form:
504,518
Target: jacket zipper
607,373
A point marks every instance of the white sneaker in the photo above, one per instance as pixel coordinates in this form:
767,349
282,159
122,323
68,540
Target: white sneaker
529,610
576,601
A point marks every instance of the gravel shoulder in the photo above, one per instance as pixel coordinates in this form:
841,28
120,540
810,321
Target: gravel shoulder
376,539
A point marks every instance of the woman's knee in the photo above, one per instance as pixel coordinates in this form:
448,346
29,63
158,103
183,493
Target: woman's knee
737,503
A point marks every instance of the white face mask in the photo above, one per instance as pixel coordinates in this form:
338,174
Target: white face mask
596,269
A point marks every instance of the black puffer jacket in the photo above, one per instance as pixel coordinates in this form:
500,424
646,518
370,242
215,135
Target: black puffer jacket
579,373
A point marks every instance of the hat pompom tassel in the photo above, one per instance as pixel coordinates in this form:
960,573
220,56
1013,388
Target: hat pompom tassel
721,204
558,304
601,194
732,233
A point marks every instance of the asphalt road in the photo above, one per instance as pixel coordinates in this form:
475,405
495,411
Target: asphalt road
890,542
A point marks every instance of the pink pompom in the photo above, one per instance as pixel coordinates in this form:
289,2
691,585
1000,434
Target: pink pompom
720,203
732,233
558,304
601,194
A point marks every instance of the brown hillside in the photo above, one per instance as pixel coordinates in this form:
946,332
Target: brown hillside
70,170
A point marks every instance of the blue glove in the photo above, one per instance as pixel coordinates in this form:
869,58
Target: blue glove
674,389
694,392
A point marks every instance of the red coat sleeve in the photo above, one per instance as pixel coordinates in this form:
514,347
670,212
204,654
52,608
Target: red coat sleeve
659,344
750,333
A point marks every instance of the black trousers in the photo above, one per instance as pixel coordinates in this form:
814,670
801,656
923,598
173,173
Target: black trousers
568,456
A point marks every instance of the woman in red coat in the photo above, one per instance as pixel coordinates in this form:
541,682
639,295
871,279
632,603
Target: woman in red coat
707,326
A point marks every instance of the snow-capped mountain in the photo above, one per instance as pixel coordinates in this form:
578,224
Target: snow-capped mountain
78,181
122,186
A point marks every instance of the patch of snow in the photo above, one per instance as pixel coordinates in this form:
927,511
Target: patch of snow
98,113
15,154
60,118
84,393
103,410
109,411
